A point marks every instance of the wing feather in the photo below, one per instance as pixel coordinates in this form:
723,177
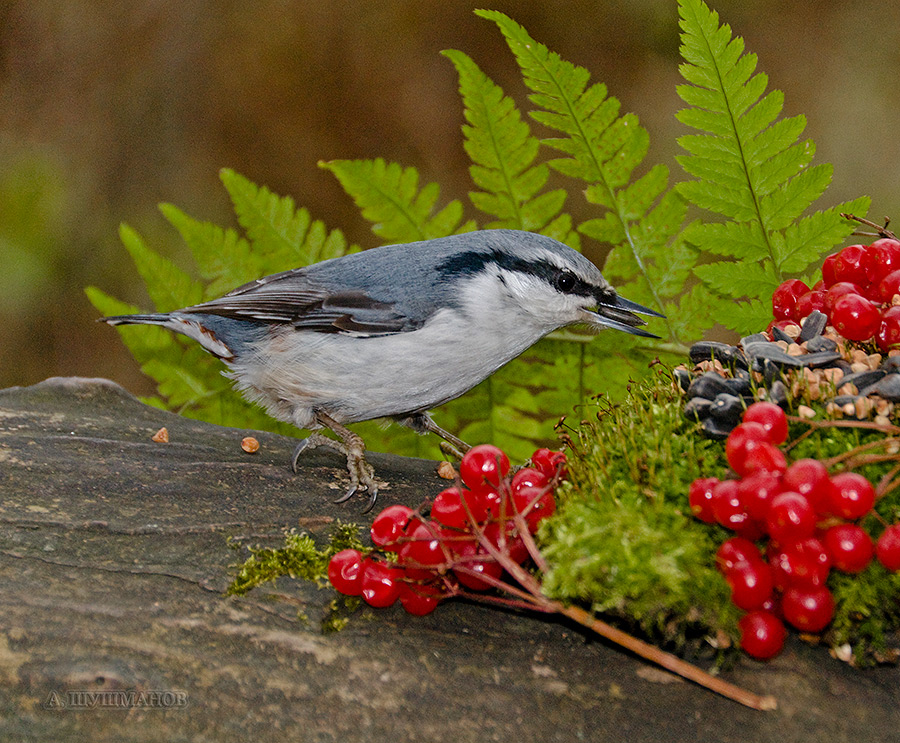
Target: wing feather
290,298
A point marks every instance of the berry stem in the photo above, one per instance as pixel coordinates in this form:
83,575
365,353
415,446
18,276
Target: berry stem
888,482
871,425
535,596
667,660
880,231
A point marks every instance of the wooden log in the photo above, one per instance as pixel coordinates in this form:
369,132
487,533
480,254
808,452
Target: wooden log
114,557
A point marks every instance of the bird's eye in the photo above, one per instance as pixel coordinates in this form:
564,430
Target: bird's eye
565,281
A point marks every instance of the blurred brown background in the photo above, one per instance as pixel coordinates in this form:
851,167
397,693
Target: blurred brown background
107,109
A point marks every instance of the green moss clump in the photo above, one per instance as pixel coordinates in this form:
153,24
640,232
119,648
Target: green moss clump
298,558
624,539
625,542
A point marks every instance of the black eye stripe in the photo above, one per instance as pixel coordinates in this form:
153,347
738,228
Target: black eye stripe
474,262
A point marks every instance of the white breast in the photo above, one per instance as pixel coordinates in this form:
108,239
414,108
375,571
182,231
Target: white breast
353,379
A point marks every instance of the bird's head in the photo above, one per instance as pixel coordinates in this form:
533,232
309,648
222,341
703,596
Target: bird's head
542,281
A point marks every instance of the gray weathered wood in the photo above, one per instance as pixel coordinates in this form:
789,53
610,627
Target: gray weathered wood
113,560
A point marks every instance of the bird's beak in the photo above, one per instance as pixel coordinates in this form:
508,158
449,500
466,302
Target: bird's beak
617,312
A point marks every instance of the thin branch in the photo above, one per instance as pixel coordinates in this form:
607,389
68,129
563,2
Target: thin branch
879,230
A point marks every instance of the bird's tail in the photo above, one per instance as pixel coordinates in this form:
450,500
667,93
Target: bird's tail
159,318
184,323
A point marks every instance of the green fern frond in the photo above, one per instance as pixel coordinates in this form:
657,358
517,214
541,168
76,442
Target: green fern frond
390,198
282,235
168,286
751,168
503,153
603,149
223,257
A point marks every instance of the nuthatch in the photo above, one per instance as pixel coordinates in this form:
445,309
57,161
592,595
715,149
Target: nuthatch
394,331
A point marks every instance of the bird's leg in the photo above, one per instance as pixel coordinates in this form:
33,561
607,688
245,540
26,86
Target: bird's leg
422,423
351,446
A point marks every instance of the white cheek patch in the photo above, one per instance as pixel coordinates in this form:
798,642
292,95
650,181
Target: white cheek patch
516,298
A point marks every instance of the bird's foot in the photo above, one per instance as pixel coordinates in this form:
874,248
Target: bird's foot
422,423
351,445
450,451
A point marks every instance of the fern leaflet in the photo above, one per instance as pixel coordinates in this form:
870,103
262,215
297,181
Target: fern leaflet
390,198
602,148
282,235
503,153
750,168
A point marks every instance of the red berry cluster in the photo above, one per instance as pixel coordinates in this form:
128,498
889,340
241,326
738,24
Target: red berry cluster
856,293
423,560
809,518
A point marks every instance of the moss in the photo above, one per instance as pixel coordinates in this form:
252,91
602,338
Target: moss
298,558
624,541
623,538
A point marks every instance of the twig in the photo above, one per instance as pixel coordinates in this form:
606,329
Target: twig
669,661
645,650
880,231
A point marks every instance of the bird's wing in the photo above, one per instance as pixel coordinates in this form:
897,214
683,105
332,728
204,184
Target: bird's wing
290,298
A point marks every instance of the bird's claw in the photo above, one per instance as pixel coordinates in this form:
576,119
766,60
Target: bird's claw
348,495
301,447
373,496
362,475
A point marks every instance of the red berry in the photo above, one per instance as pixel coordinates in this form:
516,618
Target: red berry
751,584
784,299
381,583
762,634
828,270
514,545
809,302
420,599
550,463
484,501
855,317
700,498
851,549
889,286
804,563
389,526
838,290
770,417
882,257
727,507
888,547
850,265
784,325
765,457
734,551
471,558
892,242
424,547
344,572
743,437
448,511
809,478
536,504
529,478
756,491
808,609
852,495
790,518
483,466
888,335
